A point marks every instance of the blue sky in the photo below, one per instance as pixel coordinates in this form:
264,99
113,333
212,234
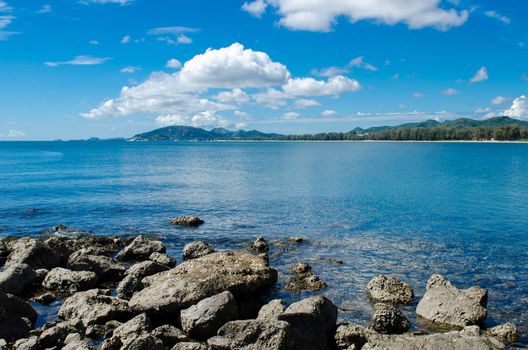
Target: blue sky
111,68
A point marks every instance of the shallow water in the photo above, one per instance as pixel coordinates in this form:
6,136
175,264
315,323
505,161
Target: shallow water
408,209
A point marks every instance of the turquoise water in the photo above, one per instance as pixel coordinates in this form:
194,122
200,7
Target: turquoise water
408,209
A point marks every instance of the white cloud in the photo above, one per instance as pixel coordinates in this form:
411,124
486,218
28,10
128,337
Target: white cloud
93,42
126,39
480,75
5,20
13,134
242,115
417,94
4,7
328,113
330,71
202,119
173,63
499,100
321,15
79,61
255,8
119,2
498,16
45,9
183,39
173,35
450,92
305,103
129,69
334,86
236,96
518,109
359,62
290,115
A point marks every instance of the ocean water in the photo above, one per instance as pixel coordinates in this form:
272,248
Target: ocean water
407,209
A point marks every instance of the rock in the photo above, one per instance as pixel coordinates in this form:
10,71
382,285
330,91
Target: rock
295,239
467,339
78,345
162,259
140,249
505,332
201,321
30,343
132,281
55,336
127,333
73,337
312,321
95,331
143,342
259,245
17,317
17,279
94,307
334,261
170,335
444,304
196,249
33,252
190,346
192,221
304,279
352,336
271,310
46,298
67,281
388,319
106,269
301,267
252,335
40,274
168,292
389,289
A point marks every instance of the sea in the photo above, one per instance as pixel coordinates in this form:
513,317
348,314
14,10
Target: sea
407,209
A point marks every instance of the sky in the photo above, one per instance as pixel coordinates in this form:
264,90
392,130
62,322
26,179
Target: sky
73,69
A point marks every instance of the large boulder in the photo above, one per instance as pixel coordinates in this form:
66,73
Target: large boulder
64,280
467,339
133,276
163,259
271,310
388,319
352,336
389,289
313,322
17,317
94,306
187,220
33,252
201,321
17,278
194,280
252,335
196,249
106,268
445,304
140,249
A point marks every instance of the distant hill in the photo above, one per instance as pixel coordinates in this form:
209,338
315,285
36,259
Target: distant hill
189,133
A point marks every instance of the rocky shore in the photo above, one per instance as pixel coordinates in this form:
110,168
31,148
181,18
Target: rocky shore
126,293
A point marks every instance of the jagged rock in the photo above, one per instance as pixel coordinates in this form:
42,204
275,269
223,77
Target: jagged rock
304,279
17,279
30,343
352,336
505,332
312,321
162,259
193,280
190,346
252,335
33,252
389,289
196,249
45,299
271,310
201,321
295,239
467,339
17,317
106,269
187,220
143,342
64,280
132,281
72,337
301,267
78,345
55,335
259,245
95,331
445,304
170,335
127,332
140,249
388,319
40,274
94,306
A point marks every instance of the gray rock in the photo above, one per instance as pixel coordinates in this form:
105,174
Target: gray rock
33,252
55,335
467,339
106,269
30,343
132,281
444,304
187,220
304,279
170,335
17,279
259,245
295,239
505,332
168,292
271,310
127,333
252,335
162,259
190,346
94,307
17,317
67,281
45,299
40,274
352,336
140,249
301,267
312,321
78,345
72,337
389,289
388,319
143,342
196,249
201,321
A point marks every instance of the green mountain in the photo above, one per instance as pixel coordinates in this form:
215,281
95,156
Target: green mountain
189,133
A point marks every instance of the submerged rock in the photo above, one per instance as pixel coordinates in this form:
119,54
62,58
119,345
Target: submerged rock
68,281
140,249
17,279
193,280
505,332
17,317
445,304
389,289
196,249
259,245
192,221
388,319
304,279
252,335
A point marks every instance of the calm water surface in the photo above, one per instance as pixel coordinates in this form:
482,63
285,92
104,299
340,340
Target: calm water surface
408,209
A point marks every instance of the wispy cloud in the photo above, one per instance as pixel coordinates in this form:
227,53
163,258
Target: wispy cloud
173,35
450,92
5,20
359,62
45,9
129,69
118,2
79,61
498,16
13,134
480,75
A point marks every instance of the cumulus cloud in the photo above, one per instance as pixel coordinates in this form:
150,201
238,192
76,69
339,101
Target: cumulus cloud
321,15
499,100
518,109
126,39
334,86
255,8
498,16
79,61
173,63
202,119
450,92
480,75
236,96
